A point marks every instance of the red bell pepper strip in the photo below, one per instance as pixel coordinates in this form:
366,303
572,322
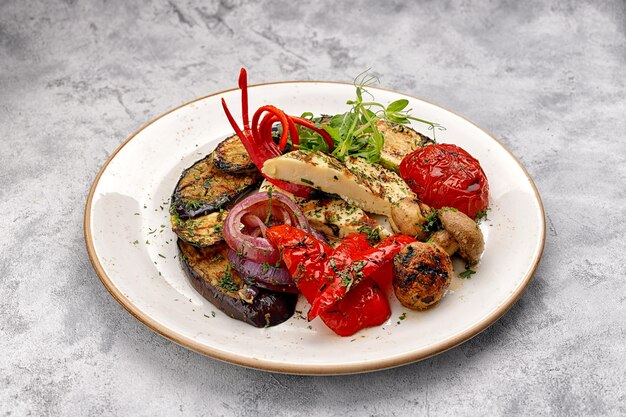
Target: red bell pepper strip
258,140
260,149
361,265
352,244
383,276
364,306
307,258
358,242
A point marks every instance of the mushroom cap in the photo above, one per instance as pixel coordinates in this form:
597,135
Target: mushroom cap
465,231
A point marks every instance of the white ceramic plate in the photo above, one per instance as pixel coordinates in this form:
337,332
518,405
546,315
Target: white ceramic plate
133,249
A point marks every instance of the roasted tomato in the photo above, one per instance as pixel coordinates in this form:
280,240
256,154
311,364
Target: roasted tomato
444,175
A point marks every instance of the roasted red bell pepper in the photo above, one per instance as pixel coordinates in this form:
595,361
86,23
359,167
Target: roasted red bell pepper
307,260
364,306
353,244
359,242
361,264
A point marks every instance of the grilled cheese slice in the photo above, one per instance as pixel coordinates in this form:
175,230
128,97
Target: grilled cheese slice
369,187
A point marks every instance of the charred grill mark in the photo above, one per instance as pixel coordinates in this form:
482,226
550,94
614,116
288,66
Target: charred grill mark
335,164
334,228
231,156
406,256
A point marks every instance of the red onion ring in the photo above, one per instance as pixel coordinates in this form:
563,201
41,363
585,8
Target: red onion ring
262,275
257,212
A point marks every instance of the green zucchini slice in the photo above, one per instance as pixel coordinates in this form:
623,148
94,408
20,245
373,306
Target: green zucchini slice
399,142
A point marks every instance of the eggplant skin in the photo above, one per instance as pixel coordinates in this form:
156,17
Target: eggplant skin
231,156
204,189
207,268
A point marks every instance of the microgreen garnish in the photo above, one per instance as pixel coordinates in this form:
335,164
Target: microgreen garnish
355,133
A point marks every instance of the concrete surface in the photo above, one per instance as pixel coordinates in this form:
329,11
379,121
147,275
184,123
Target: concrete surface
77,77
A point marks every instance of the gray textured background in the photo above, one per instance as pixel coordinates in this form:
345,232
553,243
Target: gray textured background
77,77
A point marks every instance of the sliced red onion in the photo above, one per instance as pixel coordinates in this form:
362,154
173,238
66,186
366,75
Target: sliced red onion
245,225
262,275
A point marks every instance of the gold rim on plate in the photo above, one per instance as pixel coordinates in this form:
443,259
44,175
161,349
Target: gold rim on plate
295,368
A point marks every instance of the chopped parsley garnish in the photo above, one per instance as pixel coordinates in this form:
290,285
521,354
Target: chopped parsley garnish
333,264
226,282
193,204
481,215
432,223
269,206
216,259
373,234
467,273
346,280
307,181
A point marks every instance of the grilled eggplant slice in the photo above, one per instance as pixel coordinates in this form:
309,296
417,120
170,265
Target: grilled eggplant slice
204,189
201,231
231,156
211,275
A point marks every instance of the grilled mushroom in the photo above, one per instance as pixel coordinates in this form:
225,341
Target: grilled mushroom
460,234
410,217
423,272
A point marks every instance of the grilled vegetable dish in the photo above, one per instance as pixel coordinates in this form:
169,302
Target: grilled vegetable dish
292,205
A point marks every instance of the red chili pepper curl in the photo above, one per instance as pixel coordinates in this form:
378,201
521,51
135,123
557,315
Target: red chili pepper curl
258,140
